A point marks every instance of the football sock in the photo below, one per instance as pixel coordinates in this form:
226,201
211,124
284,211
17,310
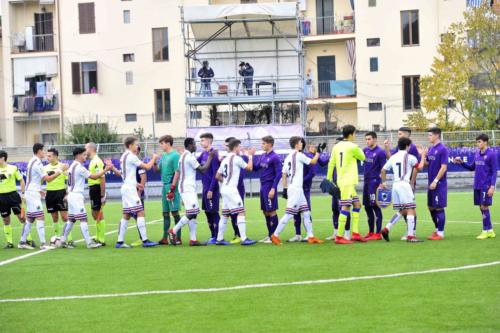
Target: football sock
282,224
7,230
40,228
355,220
184,220
486,220
268,225
411,225
222,228
67,231
335,219
210,223
70,235
215,221
242,227
379,218
371,218
441,221
234,222
342,222
297,221
192,229
393,220
29,237
56,229
122,230
348,223
177,218
274,224
84,227
98,230
434,219
308,223
166,224
141,225
102,235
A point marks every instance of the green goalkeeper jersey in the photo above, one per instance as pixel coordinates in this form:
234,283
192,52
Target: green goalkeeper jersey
9,174
345,157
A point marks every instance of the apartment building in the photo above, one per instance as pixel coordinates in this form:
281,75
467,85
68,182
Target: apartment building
122,64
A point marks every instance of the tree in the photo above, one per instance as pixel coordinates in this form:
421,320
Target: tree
90,131
465,79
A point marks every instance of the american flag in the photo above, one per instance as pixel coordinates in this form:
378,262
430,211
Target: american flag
474,3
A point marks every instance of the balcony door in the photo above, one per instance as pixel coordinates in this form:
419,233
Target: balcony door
326,73
44,32
324,17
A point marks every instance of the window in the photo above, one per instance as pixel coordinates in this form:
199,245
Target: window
374,106
128,57
374,64
372,3
409,28
126,16
248,1
372,42
49,138
86,17
129,77
376,128
84,77
411,92
160,44
130,117
162,105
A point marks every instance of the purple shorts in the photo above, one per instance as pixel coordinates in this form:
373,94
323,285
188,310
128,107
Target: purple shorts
266,204
212,205
370,192
481,198
438,198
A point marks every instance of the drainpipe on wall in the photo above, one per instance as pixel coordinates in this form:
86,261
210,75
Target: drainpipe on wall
59,53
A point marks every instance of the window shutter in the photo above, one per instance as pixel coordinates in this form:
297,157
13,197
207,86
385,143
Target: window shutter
86,17
75,74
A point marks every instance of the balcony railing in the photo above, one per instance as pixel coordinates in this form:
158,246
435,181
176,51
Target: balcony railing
331,89
33,104
23,43
327,25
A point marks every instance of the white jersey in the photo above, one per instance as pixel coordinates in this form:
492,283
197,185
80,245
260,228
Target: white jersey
128,164
294,168
402,165
187,172
34,175
230,168
77,174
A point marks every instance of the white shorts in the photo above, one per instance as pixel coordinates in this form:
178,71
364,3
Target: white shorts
130,200
76,207
231,202
403,196
34,209
190,201
296,201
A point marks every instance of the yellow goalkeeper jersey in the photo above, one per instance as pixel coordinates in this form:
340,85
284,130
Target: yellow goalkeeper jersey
345,157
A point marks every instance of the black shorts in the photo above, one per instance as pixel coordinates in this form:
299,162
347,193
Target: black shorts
95,197
10,202
55,202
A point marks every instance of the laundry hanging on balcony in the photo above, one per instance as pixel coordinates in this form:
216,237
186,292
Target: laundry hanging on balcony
351,56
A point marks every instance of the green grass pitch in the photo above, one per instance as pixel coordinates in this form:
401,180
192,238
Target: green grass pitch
452,301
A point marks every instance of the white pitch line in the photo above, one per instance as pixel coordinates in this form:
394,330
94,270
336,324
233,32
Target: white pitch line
251,286
27,255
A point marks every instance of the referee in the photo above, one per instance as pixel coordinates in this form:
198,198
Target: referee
97,192
55,200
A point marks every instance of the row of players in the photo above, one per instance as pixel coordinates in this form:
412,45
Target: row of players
225,177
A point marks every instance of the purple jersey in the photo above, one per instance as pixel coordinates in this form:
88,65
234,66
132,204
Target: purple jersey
271,167
310,170
138,174
208,179
413,151
486,166
437,155
374,162
241,183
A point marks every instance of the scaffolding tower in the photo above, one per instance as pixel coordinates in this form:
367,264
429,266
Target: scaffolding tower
266,36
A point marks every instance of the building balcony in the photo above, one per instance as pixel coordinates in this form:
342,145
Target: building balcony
40,106
338,91
328,28
25,42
